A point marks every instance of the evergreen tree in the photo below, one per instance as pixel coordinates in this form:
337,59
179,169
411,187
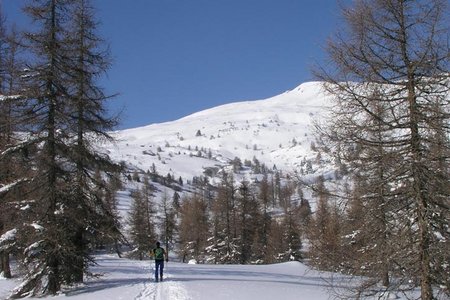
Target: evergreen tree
304,210
176,202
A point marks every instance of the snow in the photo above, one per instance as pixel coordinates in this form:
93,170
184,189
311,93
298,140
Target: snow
123,279
11,97
263,129
10,186
127,279
26,207
37,226
8,236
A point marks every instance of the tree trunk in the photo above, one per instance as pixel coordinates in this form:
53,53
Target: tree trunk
5,266
421,196
78,268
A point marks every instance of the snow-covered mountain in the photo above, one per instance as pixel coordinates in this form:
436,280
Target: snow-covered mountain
276,131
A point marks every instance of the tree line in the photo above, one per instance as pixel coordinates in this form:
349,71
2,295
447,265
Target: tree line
57,192
233,222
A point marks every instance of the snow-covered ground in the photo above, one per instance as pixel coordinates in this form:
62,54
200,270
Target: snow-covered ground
124,279
128,279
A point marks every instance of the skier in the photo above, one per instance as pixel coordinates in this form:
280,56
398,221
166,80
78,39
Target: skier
159,254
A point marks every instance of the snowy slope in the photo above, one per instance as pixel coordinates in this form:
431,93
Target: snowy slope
276,131
124,279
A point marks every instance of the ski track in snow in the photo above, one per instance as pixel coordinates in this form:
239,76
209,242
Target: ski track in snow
167,289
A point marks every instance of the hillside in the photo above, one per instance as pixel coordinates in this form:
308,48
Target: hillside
275,131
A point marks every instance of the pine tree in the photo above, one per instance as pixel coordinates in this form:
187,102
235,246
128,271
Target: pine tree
304,210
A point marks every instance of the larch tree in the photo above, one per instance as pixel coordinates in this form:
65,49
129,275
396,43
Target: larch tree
167,221
367,148
391,63
193,228
47,92
65,108
108,228
224,209
142,221
89,59
262,248
322,232
12,167
248,222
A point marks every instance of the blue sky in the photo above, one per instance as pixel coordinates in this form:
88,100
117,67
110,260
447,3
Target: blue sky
176,57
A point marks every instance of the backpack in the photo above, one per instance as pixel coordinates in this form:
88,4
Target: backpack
159,253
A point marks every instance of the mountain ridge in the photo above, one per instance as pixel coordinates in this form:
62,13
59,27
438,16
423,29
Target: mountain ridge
276,131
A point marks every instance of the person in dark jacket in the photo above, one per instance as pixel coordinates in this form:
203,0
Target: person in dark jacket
160,255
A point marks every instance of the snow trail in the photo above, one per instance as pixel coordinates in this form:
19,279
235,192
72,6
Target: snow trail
168,289
148,292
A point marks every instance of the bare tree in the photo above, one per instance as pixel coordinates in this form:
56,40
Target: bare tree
324,230
248,221
391,63
142,220
262,250
167,221
224,222
193,227
11,155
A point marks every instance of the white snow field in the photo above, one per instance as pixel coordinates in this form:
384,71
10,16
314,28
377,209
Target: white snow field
276,131
129,279
124,279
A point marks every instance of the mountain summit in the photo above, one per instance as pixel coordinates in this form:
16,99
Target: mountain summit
274,131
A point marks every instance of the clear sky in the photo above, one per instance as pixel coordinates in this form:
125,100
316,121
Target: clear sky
176,57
